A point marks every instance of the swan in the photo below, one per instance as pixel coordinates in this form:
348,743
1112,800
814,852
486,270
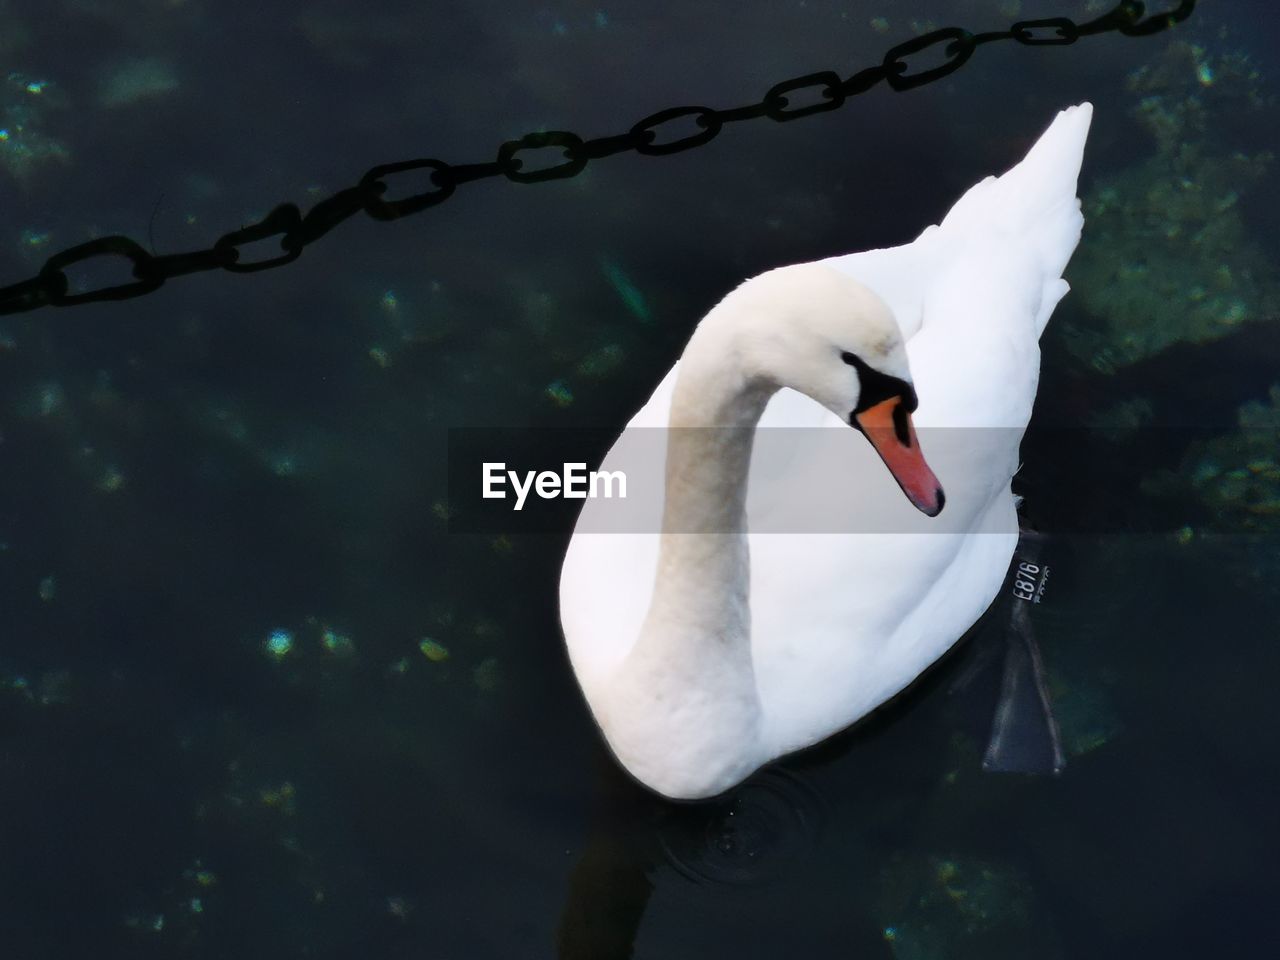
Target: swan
785,586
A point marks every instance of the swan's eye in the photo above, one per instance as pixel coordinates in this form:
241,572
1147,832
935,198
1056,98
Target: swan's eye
877,387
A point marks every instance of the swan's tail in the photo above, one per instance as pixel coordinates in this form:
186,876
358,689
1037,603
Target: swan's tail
1035,202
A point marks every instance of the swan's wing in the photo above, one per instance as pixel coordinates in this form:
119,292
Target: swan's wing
1032,206
972,297
878,610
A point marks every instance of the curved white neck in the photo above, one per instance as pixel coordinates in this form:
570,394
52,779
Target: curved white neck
689,682
703,561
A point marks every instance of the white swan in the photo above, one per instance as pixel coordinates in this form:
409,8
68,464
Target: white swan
735,631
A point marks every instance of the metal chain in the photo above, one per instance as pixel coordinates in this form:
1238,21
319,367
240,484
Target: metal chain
651,136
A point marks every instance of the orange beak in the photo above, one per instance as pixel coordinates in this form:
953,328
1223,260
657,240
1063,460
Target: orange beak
888,426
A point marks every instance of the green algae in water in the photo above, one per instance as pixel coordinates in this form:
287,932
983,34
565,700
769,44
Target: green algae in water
1235,475
959,907
26,146
433,650
602,362
136,81
629,293
1167,255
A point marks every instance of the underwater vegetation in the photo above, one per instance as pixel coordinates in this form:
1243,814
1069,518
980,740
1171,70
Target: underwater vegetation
137,80
1236,475
24,143
959,907
1168,256
1173,256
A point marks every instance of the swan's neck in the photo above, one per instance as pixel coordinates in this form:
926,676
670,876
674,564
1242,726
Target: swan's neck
689,682
703,562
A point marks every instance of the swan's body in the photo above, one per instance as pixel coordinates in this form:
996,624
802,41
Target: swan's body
704,655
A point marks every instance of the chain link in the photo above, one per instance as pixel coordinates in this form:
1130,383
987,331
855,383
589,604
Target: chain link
513,167
777,106
959,48
655,135
283,221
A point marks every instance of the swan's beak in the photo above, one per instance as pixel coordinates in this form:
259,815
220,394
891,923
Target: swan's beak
888,426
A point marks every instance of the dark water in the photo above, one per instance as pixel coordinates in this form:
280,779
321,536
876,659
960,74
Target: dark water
185,474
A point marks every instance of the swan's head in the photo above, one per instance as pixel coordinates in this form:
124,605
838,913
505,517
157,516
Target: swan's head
816,330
